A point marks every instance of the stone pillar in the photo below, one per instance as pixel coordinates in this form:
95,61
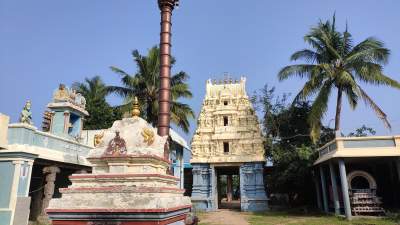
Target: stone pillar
398,168
182,164
66,121
202,198
50,172
323,185
345,189
334,188
229,188
252,190
319,203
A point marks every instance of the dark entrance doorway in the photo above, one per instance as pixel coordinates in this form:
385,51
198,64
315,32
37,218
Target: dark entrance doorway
228,186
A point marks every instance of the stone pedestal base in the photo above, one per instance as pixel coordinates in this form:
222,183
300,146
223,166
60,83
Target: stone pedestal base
173,216
203,205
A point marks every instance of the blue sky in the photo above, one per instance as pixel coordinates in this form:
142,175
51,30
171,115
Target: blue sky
46,42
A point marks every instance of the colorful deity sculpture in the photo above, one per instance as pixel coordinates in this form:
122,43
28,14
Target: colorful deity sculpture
26,114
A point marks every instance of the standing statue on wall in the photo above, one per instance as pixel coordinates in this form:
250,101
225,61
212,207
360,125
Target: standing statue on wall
26,114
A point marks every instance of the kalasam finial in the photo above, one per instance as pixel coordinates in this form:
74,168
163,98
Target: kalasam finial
136,108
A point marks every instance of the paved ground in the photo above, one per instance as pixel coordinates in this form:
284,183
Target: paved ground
224,217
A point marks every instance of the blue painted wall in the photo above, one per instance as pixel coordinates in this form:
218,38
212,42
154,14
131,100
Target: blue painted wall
6,179
22,135
58,123
5,217
23,180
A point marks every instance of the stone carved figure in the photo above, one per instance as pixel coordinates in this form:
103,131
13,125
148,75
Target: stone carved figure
117,146
80,100
26,114
98,139
61,94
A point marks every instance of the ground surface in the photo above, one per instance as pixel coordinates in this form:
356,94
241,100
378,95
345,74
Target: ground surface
230,217
224,217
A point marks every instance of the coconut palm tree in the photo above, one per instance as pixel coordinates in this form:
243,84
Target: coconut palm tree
145,85
101,114
334,62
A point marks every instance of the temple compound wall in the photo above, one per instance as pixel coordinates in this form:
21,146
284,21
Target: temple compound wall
228,138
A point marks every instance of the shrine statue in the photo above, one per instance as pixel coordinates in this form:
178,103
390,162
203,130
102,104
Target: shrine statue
80,100
26,114
62,94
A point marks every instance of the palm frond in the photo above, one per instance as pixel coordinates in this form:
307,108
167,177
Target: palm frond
378,111
300,70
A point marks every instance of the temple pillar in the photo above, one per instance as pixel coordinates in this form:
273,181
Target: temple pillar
229,188
318,191
334,188
66,121
48,191
323,185
398,168
252,190
202,197
345,189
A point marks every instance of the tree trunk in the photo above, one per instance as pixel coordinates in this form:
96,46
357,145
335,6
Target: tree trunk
338,110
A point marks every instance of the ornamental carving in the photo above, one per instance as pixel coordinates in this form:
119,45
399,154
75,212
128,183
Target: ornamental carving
116,146
227,127
98,139
148,135
64,94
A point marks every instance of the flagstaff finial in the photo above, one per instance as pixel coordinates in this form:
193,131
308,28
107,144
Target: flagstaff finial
136,108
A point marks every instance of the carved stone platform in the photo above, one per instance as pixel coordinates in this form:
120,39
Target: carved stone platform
129,184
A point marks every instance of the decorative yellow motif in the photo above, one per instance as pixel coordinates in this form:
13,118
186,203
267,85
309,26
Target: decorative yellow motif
62,94
148,135
136,108
98,138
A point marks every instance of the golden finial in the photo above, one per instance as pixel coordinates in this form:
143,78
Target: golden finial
136,108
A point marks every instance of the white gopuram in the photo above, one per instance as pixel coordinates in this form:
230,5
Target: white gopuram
228,141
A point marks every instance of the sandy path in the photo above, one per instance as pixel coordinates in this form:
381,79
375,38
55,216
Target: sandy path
224,217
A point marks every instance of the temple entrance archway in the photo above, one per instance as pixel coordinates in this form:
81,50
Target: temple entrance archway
361,180
228,187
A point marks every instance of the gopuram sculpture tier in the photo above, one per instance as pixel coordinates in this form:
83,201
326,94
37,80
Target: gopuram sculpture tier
227,127
128,184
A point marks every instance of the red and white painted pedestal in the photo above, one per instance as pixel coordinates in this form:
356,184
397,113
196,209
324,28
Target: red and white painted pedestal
128,186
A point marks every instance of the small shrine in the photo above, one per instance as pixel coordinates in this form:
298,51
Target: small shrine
128,184
228,152
34,162
358,176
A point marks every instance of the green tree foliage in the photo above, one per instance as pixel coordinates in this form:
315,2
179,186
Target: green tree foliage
101,114
335,62
363,131
288,145
145,85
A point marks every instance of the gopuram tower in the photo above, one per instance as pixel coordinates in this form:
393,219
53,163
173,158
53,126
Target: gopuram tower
228,142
